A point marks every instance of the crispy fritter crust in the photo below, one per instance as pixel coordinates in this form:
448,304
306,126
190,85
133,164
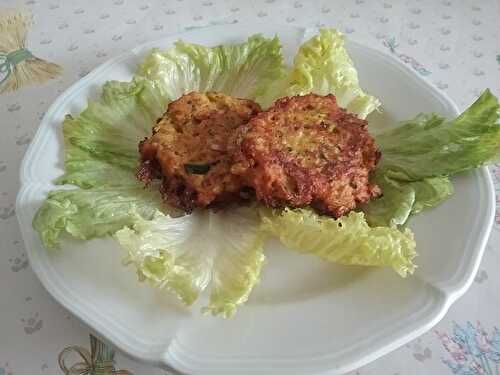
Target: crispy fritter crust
305,150
188,149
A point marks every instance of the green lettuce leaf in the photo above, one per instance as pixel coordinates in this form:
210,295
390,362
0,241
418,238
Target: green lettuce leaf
323,66
429,192
347,240
101,157
404,198
394,207
94,212
110,128
85,170
419,156
242,70
221,251
432,146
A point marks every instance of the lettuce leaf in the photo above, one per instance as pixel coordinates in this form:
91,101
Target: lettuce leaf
394,207
404,198
432,146
429,192
323,66
110,128
419,156
347,240
101,158
221,251
85,170
243,70
94,212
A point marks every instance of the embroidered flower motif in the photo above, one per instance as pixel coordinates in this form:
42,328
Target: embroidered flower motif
472,350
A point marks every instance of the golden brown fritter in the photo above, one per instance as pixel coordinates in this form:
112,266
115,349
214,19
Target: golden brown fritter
305,150
188,149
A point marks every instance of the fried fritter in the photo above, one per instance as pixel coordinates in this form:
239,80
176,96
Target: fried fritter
188,149
305,150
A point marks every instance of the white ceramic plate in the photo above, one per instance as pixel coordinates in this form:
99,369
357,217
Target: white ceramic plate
306,316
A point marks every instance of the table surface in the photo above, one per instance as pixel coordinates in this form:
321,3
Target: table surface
453,44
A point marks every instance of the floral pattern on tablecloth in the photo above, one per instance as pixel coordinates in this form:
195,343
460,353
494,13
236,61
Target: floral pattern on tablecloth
453,44
471,349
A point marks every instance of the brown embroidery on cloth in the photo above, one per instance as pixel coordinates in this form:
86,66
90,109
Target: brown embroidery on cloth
18,66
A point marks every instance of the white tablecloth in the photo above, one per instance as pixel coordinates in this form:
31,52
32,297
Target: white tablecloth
453,44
